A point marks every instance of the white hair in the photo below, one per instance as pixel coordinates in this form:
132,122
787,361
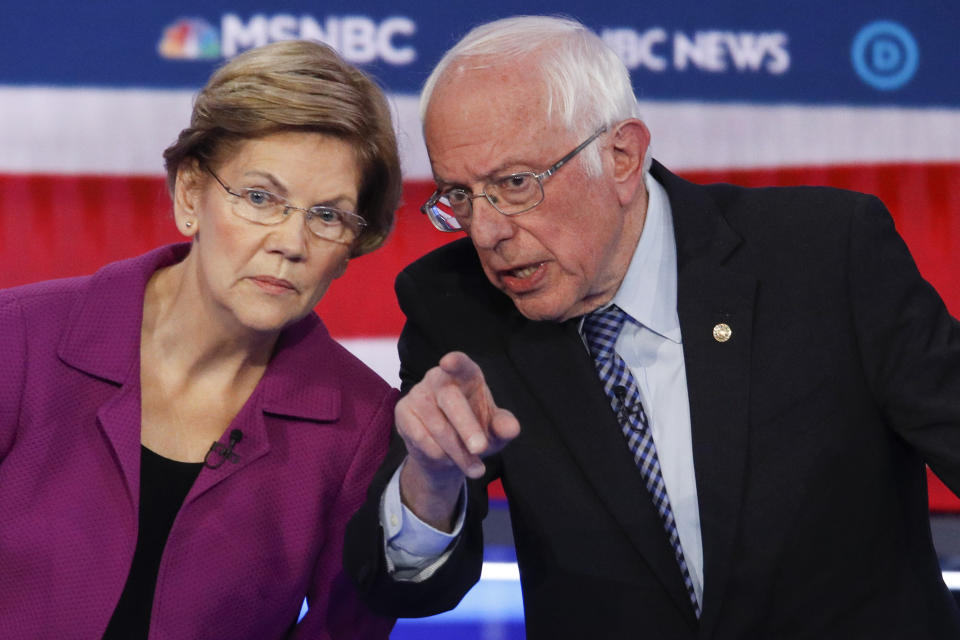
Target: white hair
588,85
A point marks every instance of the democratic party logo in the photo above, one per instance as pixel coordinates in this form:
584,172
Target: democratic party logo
190,39
885,55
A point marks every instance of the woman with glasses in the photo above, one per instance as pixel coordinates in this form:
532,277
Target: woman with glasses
181,441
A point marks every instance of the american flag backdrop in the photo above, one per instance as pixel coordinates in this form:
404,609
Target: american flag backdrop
860,95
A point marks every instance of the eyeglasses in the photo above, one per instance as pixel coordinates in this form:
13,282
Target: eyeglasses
260,206
516,193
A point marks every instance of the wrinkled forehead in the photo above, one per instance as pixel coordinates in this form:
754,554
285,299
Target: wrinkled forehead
489,115
484,88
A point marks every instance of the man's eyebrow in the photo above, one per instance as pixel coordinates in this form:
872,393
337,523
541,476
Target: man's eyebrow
507,168
446,184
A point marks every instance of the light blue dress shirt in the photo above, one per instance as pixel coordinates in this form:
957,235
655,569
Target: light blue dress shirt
654,353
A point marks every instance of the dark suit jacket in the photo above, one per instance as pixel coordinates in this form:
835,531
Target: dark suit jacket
810,426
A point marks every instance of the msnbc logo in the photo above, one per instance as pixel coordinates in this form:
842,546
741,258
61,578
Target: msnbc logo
190,39
359,39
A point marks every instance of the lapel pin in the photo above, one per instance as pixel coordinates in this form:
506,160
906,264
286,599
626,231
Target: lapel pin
722,332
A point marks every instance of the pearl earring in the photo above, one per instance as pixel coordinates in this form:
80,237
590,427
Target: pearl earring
188,224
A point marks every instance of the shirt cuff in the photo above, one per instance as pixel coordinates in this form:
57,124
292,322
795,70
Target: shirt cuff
413,549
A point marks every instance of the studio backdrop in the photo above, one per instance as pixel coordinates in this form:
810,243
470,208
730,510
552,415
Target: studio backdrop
860,94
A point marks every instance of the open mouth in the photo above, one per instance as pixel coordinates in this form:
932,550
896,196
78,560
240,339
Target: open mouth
523,280
524,272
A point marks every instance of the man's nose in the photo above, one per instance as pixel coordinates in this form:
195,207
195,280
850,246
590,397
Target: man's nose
488,227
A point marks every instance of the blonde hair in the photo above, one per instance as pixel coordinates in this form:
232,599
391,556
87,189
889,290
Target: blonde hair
297,85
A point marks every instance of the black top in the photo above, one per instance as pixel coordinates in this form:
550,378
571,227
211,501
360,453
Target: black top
164,485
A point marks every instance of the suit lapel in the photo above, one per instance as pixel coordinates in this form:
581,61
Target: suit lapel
710,294
254,445
119,420
554,364
102,340
718,389
284,392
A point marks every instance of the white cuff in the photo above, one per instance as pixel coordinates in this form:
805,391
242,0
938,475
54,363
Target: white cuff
414,550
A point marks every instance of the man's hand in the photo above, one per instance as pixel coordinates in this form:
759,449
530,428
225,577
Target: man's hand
449,422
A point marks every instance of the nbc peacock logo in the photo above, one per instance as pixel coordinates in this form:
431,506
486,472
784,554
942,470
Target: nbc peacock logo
190,39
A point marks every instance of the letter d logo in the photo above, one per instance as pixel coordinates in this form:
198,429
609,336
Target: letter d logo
885,55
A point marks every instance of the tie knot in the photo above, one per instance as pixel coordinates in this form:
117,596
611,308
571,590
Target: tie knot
601,328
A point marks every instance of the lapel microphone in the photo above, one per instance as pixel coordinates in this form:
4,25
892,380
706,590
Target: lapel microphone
225,451
624,410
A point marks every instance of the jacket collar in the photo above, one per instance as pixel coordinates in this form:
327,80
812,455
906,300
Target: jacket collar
103,340
287,389
701,231
103,331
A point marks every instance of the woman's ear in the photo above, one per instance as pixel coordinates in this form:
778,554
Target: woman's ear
186,196
631,141
342,268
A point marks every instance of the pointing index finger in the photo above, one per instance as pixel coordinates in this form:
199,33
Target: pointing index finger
461,368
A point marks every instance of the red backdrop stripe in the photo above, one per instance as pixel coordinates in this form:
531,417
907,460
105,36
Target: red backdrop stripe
63,225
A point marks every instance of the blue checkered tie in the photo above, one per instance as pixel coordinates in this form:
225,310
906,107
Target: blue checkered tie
601,329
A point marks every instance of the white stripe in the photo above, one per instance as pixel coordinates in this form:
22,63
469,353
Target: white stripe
508,571
501,571
124,131
48,130
380,354
713,136
952,580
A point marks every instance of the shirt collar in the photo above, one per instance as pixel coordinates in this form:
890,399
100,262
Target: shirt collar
648,292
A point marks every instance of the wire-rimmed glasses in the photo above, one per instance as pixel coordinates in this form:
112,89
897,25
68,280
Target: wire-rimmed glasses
511,194
260,206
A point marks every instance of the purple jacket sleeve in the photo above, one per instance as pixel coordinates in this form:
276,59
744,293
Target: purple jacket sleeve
335,609
13,357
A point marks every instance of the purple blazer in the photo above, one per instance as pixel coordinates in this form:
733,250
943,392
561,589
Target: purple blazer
252,538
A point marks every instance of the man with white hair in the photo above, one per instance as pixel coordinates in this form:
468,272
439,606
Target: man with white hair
710,406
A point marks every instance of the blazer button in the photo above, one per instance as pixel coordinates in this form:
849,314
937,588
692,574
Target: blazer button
722,332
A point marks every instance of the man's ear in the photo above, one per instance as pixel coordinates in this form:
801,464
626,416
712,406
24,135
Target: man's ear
630,142
186,196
